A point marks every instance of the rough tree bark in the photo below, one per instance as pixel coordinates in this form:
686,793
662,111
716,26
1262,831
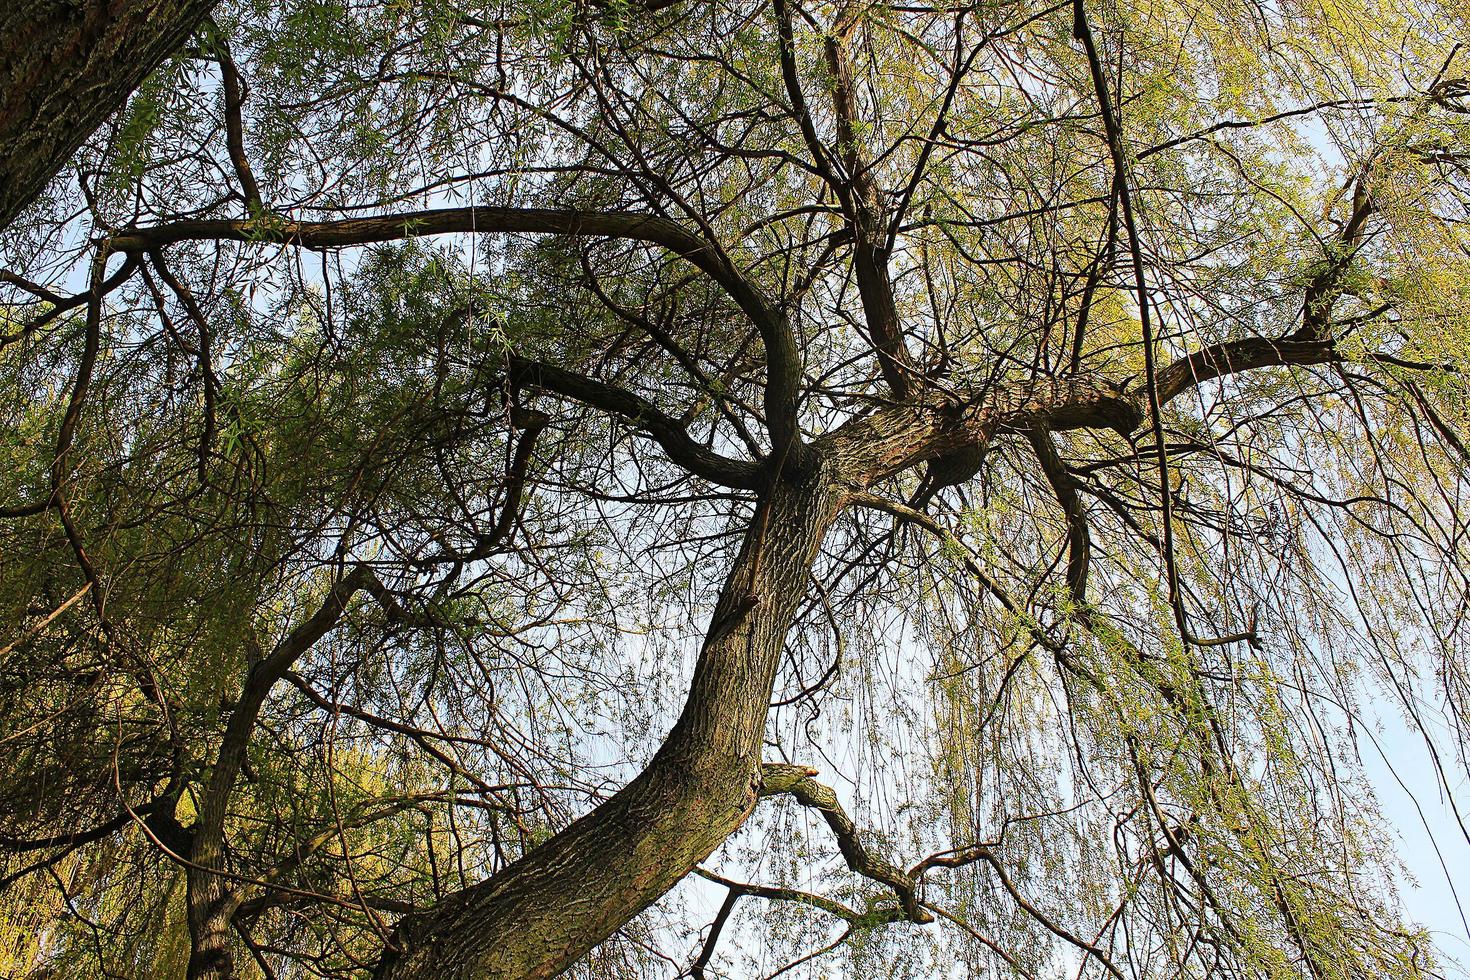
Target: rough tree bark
542,913
65,65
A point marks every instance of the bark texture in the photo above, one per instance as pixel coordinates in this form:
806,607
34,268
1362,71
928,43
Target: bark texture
65,65
542,913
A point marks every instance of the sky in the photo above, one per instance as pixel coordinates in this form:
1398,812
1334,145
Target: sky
1430,840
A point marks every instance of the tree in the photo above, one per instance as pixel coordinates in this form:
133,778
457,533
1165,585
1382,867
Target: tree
66,68
472,458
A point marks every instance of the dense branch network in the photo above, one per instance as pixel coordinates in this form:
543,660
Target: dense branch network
388,481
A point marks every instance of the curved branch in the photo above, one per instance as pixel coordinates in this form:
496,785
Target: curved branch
234,92
643,415
211,903
868,222
777,894
783,360
59,304
797,781
1235,356
1079,540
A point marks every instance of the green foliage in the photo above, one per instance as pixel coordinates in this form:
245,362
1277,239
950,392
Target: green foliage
261,419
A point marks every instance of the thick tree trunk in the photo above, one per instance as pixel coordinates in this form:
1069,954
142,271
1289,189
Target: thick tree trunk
64,66
211,912
550,908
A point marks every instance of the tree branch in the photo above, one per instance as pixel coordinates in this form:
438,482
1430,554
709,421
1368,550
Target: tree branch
211,904
1079,540
777,779
234,123
644,416
1235,356
783,360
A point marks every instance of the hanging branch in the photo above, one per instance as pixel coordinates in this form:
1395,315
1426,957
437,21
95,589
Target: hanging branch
1112,126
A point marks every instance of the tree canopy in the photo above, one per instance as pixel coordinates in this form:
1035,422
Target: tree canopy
649,488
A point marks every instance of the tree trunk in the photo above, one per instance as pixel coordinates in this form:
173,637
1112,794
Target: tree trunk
211,899
211,915
545,911
65,65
